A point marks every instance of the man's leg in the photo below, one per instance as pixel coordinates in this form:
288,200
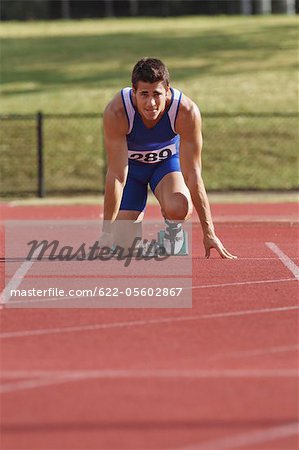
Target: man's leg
176,207
174,197
127,228
128,224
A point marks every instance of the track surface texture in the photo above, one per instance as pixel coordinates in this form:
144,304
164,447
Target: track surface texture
220,375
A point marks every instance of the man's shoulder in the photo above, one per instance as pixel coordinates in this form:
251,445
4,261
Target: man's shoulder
115,119
188,106
188,111
115,107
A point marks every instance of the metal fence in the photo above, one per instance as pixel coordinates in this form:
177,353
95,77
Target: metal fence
52,154
47,154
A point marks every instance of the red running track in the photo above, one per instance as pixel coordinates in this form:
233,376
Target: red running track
222,375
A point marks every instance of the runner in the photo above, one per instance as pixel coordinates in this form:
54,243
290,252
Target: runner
152,135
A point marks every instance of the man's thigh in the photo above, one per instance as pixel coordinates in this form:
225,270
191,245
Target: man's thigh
135,191
135,216
128,224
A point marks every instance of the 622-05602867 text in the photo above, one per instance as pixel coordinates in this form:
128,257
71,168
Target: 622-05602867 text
99,292
142,292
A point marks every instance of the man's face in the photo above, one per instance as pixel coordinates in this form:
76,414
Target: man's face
151,99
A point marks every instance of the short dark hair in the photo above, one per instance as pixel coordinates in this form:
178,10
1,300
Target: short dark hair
150,70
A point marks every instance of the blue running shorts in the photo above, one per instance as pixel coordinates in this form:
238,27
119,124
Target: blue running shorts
139,176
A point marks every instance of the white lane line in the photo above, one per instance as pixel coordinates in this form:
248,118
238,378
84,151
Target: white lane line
141,323
286,261
248,439
33,384
48,378
154,373
269,258
186,258
241,283
15,281
204,286
256,352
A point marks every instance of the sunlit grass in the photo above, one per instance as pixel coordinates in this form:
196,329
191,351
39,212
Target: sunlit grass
224,63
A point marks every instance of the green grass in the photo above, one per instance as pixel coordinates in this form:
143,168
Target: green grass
226,64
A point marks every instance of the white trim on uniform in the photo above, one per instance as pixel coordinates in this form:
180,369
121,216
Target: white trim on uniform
130,111
173,110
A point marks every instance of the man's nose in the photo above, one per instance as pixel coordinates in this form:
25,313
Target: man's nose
152,102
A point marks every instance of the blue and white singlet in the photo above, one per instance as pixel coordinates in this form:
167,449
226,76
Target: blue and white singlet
152,145
152,152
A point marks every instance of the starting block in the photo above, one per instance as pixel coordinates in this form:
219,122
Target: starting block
184,251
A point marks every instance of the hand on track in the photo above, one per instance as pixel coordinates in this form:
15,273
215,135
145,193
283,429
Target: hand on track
214,242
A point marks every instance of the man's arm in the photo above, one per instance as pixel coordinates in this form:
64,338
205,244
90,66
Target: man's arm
115,129
189,127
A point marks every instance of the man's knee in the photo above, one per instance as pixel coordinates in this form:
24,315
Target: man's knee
179,207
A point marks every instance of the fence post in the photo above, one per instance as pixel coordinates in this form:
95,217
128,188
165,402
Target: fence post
40,157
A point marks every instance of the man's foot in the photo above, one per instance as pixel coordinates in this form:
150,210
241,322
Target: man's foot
173,238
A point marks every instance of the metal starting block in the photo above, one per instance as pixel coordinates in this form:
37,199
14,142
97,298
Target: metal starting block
184,249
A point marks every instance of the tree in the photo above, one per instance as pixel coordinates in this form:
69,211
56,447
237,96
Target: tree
263,7
246,7
134,7
109,8
65,9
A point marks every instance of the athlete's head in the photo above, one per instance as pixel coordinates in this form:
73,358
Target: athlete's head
150,70
150,81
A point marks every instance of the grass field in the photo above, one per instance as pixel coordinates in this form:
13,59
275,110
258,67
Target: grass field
226,64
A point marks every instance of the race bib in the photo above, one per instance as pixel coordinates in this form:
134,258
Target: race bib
153,156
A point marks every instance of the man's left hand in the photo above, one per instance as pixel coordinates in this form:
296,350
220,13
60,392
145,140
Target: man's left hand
214,242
